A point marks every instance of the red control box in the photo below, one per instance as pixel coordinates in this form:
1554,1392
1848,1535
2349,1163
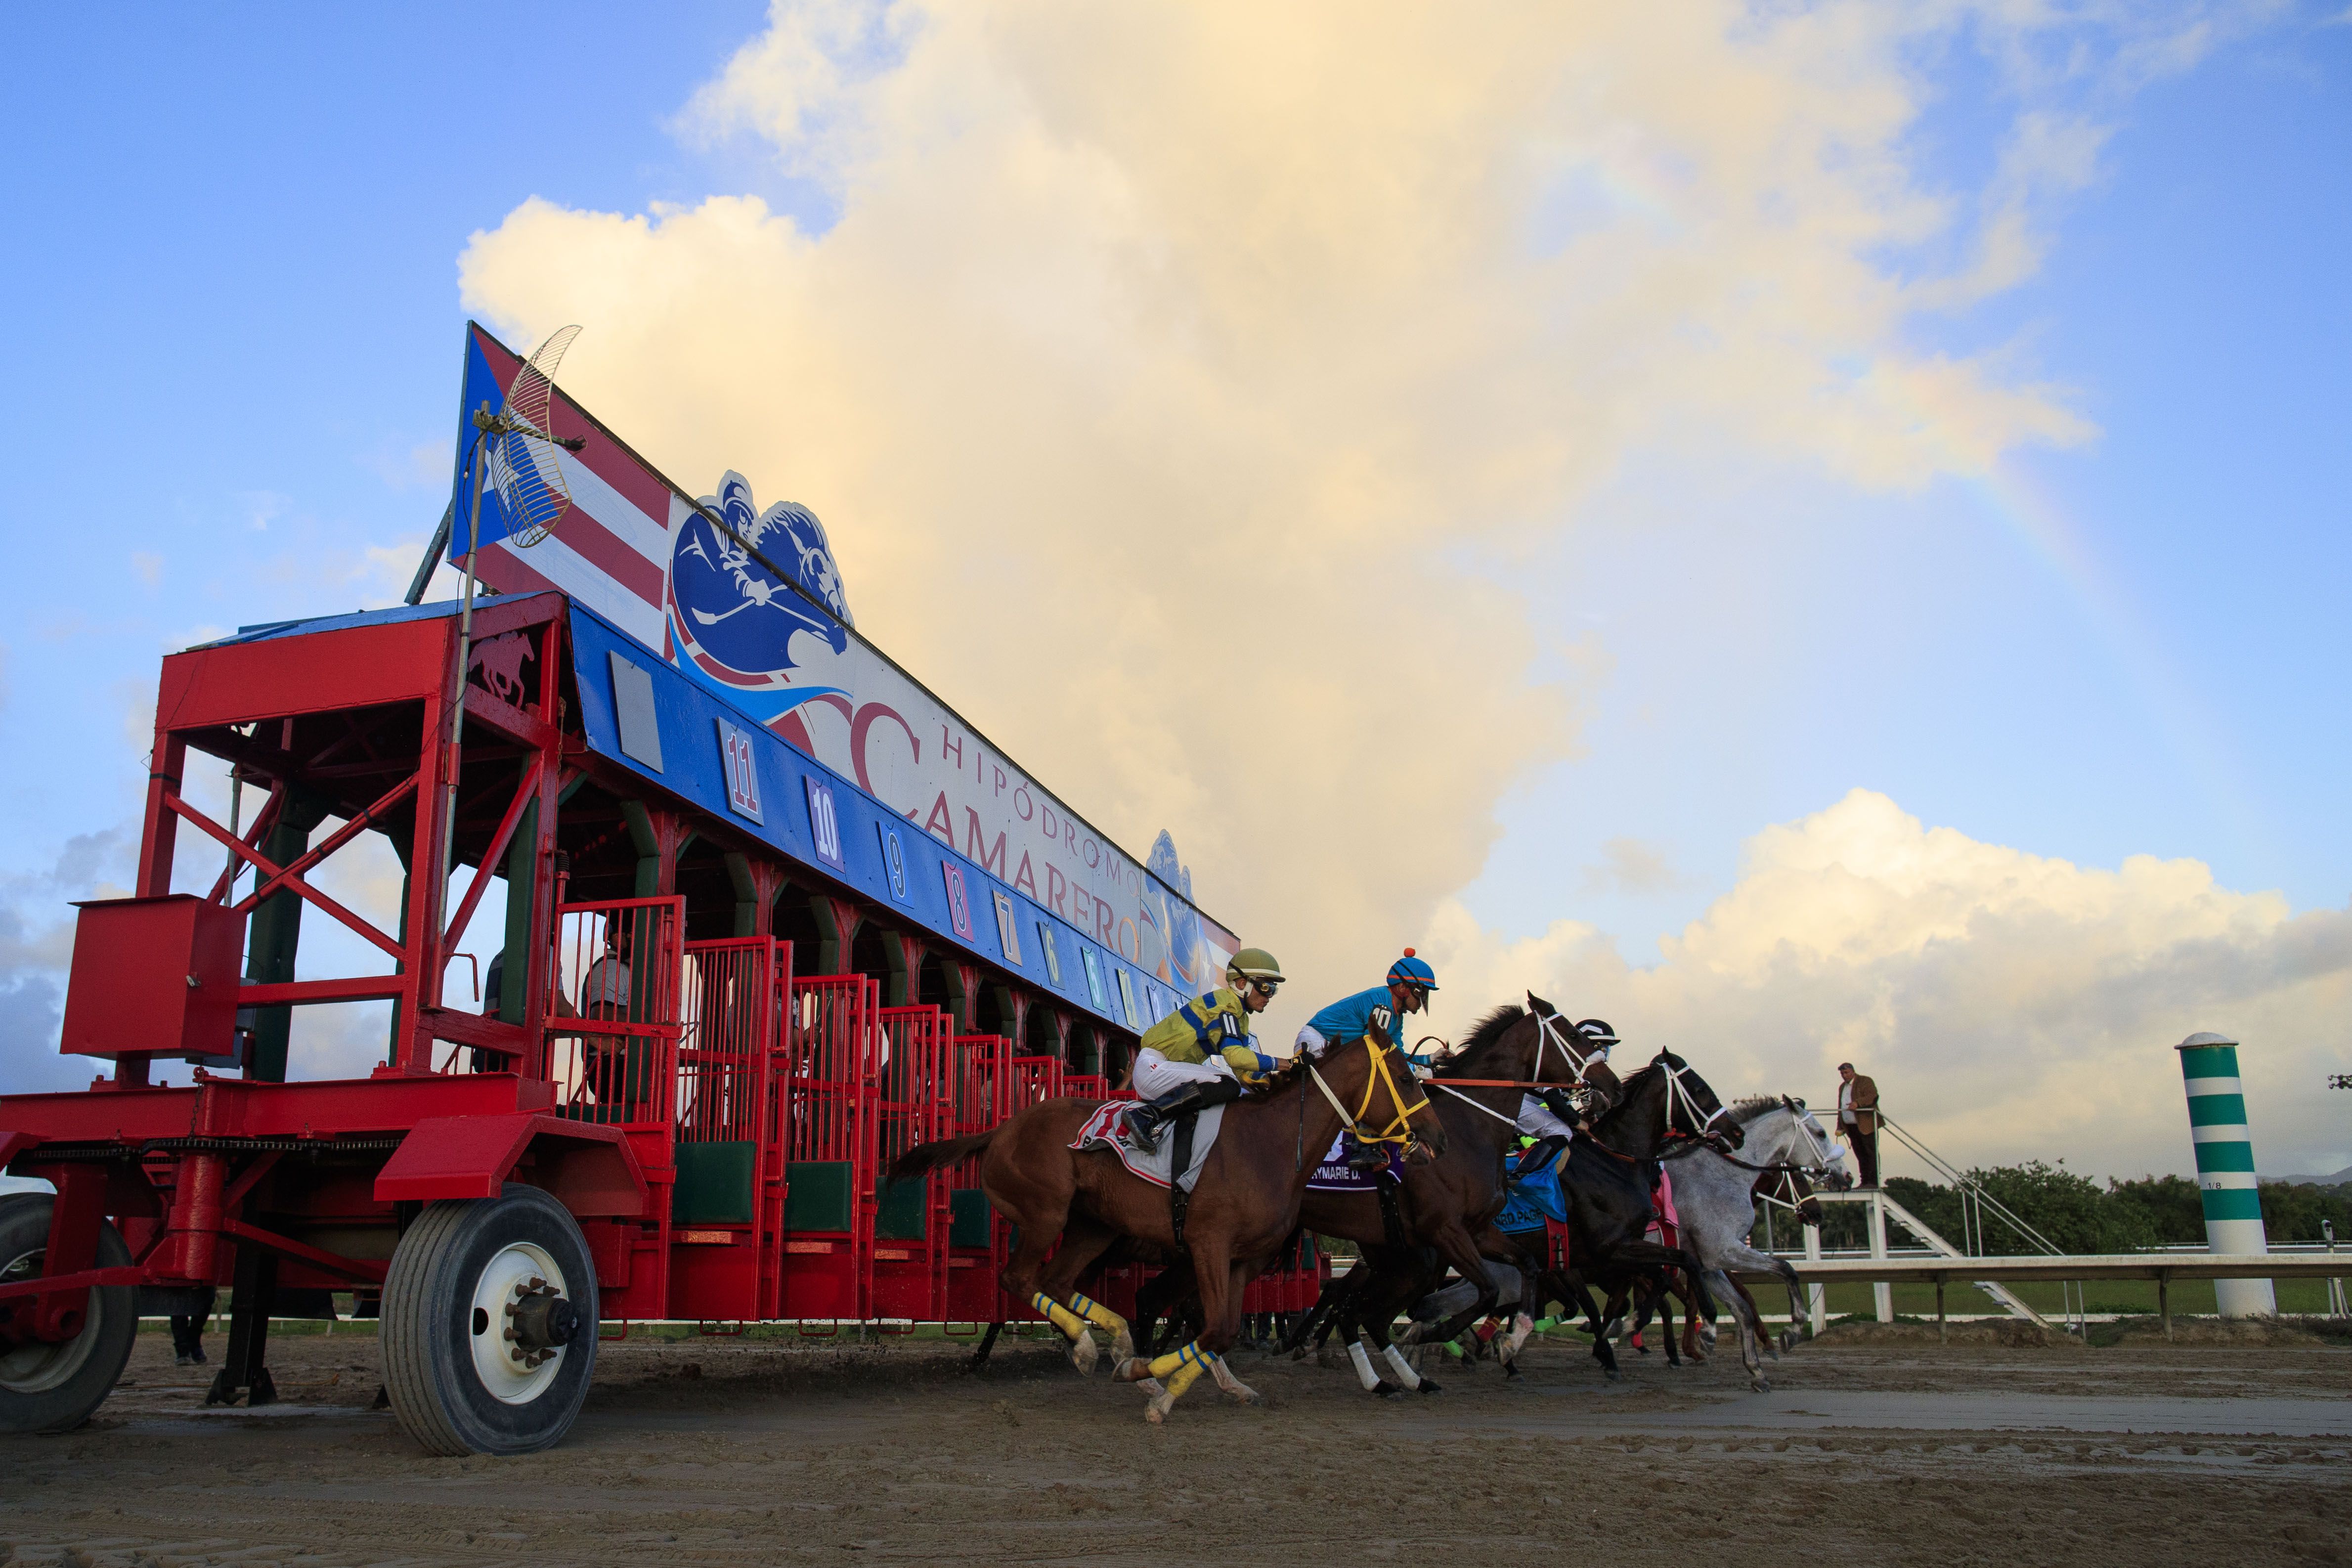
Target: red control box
155,974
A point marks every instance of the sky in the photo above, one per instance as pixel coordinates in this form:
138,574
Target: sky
1812,532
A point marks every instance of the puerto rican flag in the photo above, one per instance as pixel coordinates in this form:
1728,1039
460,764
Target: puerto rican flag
612,551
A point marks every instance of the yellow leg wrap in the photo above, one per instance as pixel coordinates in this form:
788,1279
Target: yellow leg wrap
1061,1317
1184,1380
1094,1313
1186,1363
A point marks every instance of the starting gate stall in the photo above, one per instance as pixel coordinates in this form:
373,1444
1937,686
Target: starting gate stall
980,1096
727,1213
911,1219
829,1138
734,983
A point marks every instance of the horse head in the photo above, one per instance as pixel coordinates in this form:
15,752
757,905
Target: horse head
1693,1107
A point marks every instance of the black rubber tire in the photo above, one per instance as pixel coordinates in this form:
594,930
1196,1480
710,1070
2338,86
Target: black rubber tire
54,1389
437,1391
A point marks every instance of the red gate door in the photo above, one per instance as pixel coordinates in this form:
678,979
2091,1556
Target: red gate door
613,1028
727,1208
829,1143
910,1229
980,1085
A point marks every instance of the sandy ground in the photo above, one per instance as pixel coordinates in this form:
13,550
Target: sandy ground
733,1451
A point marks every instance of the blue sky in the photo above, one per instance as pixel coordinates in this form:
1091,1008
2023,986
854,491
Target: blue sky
236,331
2167,680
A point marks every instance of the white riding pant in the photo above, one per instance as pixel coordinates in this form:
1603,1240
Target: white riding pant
1537,1121
1155,1075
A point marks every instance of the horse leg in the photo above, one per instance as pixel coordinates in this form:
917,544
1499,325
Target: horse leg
1221,1295
1040,1221
1662,1297
1602,1351
1375,1323
1058,1297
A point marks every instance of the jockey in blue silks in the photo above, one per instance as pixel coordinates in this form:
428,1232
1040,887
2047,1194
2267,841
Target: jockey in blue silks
1409,981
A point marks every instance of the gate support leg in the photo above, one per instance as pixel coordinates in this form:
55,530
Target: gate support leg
2164,1304
987,1343
248,1332
1942,1336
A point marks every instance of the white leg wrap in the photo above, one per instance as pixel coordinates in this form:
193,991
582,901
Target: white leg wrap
1233,1385
1406,1374
1364,1373
1521,1327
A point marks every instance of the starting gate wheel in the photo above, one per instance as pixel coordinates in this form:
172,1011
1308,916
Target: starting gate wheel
489,1324
54,1387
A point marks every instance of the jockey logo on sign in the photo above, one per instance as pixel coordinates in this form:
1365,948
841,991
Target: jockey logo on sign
733,616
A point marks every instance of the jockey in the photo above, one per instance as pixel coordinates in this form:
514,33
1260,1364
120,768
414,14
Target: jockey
1409,981
1549,1118
1203,1054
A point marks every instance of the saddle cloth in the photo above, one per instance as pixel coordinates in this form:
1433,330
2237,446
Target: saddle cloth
1336,1175
1532,1201
1665,1224
1106,1129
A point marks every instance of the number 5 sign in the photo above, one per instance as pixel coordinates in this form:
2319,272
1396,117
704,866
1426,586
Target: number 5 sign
825,824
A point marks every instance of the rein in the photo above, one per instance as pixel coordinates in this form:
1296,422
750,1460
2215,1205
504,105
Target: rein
1447,1085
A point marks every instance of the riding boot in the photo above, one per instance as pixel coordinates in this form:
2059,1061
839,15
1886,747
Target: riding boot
1537,1155
1366,1158
1144,1120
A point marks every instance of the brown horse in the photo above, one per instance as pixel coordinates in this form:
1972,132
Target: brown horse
1442,1205
1240,1212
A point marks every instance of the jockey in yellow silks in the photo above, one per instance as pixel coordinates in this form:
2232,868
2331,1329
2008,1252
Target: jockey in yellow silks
1203,1054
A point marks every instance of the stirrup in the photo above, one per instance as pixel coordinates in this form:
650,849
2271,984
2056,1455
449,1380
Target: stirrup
1141,1125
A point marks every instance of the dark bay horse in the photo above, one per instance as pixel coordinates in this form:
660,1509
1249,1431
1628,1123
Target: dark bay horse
1241,1210
1442,1204
1606,1186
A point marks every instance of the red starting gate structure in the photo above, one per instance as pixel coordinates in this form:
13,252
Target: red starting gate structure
677,1102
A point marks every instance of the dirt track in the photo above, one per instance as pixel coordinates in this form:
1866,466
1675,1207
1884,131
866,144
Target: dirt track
733,1451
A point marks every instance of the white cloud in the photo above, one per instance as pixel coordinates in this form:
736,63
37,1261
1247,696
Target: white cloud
147,566
2008,1004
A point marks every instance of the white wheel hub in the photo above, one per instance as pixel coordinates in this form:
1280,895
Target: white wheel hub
514,1283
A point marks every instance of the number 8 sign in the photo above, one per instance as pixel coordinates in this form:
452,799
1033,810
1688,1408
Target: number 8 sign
825,823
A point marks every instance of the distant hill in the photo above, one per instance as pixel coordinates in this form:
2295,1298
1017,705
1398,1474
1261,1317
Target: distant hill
2338,1180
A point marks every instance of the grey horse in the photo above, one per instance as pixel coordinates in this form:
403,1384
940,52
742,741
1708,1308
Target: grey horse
1715,1198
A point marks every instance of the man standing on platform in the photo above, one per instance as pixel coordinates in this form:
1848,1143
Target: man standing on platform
1858,1119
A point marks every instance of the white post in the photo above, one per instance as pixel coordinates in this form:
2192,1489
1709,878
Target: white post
2225,1168
1882,1294
1816,1294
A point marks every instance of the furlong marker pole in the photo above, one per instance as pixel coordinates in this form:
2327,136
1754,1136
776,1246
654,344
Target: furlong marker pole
2225,1168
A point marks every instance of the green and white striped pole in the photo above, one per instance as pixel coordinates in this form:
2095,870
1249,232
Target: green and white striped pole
2225,1168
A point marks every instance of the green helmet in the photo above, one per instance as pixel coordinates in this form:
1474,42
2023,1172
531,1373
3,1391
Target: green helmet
1253,963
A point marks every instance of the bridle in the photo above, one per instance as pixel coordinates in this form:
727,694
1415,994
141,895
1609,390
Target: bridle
1399,1129
1678,1091
1546,1040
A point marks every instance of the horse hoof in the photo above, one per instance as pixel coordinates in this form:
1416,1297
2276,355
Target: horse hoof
1762,1386
1122,1348
1429,1387
1134,1369
1084,1354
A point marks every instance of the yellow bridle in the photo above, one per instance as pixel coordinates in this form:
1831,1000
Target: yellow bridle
1399,1130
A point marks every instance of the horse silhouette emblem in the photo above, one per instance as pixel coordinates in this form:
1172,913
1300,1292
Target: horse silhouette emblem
732,610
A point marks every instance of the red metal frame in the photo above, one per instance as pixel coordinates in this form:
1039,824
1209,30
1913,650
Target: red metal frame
634,1060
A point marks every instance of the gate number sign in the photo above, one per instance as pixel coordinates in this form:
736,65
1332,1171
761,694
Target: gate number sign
742,769
825,824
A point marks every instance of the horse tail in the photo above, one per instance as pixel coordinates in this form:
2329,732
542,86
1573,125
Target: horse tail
924,1158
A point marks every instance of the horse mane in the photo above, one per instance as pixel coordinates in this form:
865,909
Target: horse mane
1746,1110
1484,1033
